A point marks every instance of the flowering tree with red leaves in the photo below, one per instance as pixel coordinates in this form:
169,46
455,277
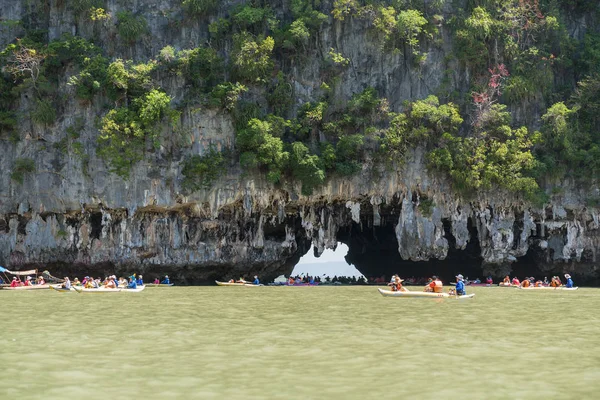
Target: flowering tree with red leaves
484,100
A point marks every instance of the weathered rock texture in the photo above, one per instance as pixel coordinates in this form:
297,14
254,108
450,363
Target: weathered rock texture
89,220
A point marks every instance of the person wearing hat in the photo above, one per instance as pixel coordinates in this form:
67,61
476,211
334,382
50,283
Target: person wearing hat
460,285
67,283
140,280
15,282
166,281
569,283
256,281
397,286
28,281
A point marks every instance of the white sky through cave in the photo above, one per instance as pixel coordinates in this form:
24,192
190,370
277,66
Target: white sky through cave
330,263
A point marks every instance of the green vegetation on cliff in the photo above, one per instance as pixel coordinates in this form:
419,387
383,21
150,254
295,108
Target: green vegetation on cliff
518,107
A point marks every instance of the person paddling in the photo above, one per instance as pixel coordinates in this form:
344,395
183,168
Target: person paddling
132,283
460,286
256,281
569,283
166,281
67,283
435,285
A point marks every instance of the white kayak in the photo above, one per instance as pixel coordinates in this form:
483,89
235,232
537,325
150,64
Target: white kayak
548,288
61,289
96,290
32,287
136,290
237,284
430,295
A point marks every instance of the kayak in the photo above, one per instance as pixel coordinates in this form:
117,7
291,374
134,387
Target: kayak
548,288
61,289
136,290
33,287
389,293
158,284
236,284
96,290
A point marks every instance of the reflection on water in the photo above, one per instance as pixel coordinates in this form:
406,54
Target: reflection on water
298,343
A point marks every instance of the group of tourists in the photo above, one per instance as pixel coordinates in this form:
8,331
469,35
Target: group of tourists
109,282
256,281
434,285
532,282
16,282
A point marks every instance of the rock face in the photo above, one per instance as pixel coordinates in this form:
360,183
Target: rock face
65,217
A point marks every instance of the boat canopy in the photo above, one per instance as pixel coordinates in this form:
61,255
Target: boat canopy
20,273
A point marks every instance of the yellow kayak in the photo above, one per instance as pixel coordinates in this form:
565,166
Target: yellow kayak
237,284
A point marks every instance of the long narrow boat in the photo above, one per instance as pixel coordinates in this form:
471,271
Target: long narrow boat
96,290
430,295
548,288
159,284
136,290
237,284
32,287
61,289
502,284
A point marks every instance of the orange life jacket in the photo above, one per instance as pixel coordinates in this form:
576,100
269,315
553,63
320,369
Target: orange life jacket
438,286
525,283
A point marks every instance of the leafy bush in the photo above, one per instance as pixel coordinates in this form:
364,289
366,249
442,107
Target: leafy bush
125,131
226,95
201,66
252,59
44,112
251,18
280,95
199,7
200,172
410,25
92,78
305,167
22,166
268,151
131,27
344,8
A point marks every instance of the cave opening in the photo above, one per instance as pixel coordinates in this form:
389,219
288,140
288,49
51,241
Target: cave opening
331,263
374,252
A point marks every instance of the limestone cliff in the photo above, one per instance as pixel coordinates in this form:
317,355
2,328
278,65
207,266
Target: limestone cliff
79,217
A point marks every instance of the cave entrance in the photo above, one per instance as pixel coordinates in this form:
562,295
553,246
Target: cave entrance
374,252
330,263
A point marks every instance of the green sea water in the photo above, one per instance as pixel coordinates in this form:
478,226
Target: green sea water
299,343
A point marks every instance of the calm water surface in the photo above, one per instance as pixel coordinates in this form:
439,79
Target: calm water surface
299,343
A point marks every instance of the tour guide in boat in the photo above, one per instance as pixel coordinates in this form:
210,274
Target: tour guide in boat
460,286
569,283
